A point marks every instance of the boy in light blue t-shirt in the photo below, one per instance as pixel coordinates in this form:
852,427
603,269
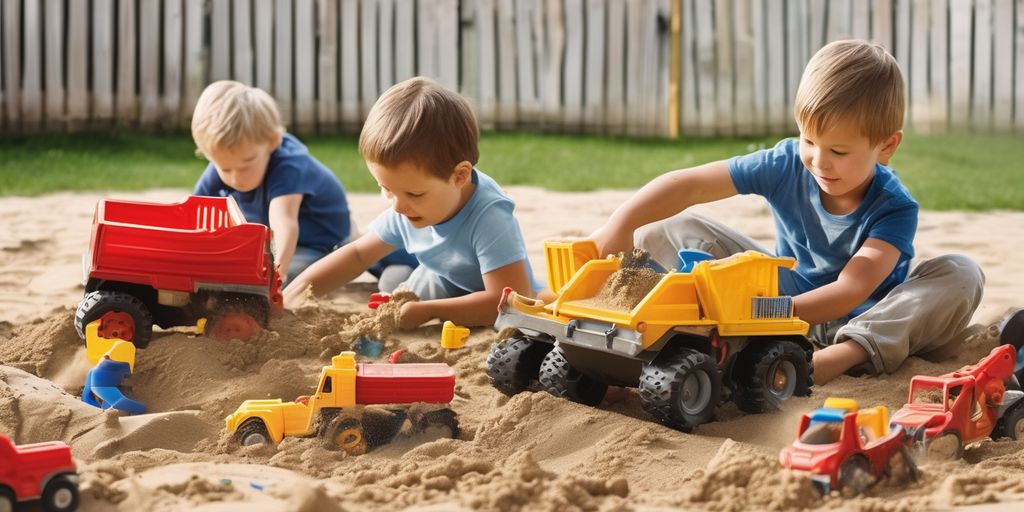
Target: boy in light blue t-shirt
420,142
839,210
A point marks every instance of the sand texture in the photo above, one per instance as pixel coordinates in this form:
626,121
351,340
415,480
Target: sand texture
528,452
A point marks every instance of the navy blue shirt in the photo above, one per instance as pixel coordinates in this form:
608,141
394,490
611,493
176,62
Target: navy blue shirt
323,214
823,243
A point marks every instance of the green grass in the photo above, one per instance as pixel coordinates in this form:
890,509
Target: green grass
951,172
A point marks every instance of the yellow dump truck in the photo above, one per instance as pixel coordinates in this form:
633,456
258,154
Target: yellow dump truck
356,406
718,332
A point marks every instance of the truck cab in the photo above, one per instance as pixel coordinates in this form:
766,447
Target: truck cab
42,471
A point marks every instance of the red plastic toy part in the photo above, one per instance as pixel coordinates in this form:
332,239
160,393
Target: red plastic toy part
376,299
38,471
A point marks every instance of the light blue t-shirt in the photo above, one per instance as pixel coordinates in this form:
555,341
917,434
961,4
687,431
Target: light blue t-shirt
483,236
823,243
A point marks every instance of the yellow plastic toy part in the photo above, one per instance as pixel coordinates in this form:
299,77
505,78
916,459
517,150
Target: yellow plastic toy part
115,348
453,336
874,421
563,259
847,404
201,326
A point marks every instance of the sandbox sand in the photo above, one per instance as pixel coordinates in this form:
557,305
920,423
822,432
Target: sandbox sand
530,452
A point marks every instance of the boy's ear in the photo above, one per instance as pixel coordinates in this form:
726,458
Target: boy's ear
889,147
463,173
276,143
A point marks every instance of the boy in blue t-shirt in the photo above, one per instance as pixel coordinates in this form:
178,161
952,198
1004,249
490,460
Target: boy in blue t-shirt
839,210
420,142
270,174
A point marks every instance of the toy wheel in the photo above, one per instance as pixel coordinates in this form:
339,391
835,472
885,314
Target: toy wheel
768,373
559,378
901,467
681,389
1012,423
6,499
442,418
855,476
60,495
514,363
1012,331
238,317
947,446
121,316
346,434
252,432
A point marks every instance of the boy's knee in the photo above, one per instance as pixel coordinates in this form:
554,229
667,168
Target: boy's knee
674,231
959,271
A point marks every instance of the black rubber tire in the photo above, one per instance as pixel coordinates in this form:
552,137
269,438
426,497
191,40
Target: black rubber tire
559,378
250,430
356,445
95,304
445,418
855,476
1012,331
60,495
755,375
681,389
514,363
1011,425
7,499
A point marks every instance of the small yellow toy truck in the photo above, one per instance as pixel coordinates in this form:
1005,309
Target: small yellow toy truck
340,411
715,333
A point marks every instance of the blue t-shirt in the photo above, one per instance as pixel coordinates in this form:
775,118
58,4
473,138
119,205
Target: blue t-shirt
323,214
823,243
483,236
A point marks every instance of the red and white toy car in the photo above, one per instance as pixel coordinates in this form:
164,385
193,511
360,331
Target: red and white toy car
38,471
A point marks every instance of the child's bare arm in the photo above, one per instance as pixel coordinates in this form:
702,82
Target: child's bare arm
859,278
338,267
474,309
661,198
284,222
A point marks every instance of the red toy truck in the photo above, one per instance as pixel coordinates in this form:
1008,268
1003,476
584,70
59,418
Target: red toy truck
846,448
972,403
174,264
38,471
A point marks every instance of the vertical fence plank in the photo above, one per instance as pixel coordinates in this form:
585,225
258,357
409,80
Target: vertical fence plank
53,77
959,63
220,40
368,50
981,90
506,39
1002,69
778,119
126,52
484,71
634,59
385,44
689,118
573,68
349,23
241,40
743,103
193,62
725,106
263,21
32,84
860,20
405,45
661,36
448,43
77,63
703,11
593,88
327,62
917,75
283,63
12,62
551,62
761,63
839,23
939,66
901,33
173,24
817,19
469,77
305,68
102,61
1018,104
615,117
149,64
881,23
797,38
426,38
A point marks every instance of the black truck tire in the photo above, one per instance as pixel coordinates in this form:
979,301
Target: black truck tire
513,363
559,378
770,372
94,305
60,495
1011,425
252,432
681,389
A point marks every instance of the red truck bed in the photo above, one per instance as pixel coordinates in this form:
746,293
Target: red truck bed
175,246
404,383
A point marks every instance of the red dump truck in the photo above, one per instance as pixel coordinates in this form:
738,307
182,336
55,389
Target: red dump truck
42,471
176,264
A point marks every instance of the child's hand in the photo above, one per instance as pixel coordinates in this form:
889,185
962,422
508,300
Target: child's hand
414,314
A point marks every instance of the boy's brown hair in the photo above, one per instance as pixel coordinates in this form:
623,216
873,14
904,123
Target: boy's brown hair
855,80
420,121
229,113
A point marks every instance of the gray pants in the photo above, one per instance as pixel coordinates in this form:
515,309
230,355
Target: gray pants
929,311
426,284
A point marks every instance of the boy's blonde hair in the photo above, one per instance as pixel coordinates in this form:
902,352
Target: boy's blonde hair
854,80
229,113
420,121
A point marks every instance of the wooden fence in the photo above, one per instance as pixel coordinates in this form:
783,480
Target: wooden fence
634,67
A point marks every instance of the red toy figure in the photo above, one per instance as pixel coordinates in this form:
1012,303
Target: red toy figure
38,471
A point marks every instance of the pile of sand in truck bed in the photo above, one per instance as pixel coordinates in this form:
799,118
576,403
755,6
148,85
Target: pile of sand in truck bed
528,452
